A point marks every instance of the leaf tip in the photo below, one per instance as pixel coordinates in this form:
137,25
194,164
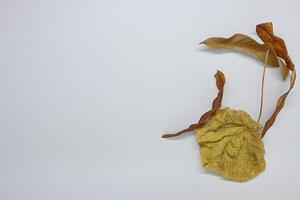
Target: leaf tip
165,136
284,77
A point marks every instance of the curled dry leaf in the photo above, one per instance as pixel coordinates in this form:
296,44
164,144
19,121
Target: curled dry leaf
279,105
246,44
220,82
230,144
265,32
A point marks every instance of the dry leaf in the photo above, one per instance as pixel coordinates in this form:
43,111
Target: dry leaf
220,82
265,32
280,104
246,44
230,144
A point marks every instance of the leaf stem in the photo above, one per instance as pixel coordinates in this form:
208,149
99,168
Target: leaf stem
262,87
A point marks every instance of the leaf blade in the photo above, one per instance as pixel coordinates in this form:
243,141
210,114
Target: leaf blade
230,144
245,44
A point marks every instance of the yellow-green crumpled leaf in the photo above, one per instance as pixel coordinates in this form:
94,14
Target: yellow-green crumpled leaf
230,144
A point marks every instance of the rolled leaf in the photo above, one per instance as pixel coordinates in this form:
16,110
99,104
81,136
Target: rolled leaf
279,105
265,32
220,82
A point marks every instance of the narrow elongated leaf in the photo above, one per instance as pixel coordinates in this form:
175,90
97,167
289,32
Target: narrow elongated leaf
265,32
279,105
247,45
220,82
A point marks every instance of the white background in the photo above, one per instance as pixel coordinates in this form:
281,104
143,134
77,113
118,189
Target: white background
88,87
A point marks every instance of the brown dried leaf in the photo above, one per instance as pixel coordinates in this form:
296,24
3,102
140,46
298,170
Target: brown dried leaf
246,44
280,104
265,32
220,82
